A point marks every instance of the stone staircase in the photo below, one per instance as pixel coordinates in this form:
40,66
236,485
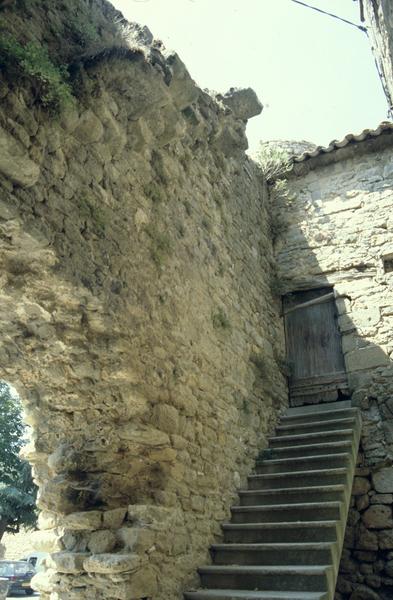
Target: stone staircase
285,538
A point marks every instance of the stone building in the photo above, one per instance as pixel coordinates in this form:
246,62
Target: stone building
144,260
334,221
379,18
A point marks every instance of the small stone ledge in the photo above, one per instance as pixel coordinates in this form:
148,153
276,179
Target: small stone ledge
80,521
69,562
112,563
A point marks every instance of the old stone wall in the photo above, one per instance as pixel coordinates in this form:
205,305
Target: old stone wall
138,319
333,223
379,17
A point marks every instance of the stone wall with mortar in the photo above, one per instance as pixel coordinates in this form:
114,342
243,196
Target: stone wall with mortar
333,224
379,17
137,315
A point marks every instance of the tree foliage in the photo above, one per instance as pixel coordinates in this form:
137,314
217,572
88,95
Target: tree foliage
17,489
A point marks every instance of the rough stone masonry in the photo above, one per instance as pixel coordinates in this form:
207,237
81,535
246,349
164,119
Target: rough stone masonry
137,314
333,222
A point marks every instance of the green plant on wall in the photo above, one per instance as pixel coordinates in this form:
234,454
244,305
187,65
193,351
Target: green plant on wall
32,62
220,319
93,214
273,161
161,247
260,364
83,31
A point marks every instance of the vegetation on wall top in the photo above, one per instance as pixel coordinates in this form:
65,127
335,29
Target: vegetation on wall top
58,36
32,62
273,161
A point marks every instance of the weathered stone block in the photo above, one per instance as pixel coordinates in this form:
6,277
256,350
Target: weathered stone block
365,556
378,516
101,541
383,480
83,520
385,539
382,499
69,562
113,519
89,128
365,539
361,486
166,418
363,592
362,502
136,539
15,162
112,563
366,358
388,431
244,103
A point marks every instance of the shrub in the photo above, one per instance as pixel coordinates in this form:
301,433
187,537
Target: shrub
32,62
274,161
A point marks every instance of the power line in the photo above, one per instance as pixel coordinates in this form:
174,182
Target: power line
324,12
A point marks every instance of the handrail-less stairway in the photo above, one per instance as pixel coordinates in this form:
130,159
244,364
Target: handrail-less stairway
285,538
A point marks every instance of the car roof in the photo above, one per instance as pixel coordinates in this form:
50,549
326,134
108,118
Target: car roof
11,561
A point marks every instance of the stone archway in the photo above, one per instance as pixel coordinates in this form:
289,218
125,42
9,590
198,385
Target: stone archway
137,314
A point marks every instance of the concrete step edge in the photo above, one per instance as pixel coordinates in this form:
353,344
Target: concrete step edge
273,546
278,507
213,594
261,476
314,457
321,424
281,525
322,408
282,569
339,444
340,487
339,411
314,434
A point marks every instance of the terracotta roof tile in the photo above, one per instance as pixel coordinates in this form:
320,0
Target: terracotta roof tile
384,127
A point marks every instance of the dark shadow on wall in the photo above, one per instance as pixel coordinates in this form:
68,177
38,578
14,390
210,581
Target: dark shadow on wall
312,252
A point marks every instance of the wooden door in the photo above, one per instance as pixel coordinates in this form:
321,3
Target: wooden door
314,348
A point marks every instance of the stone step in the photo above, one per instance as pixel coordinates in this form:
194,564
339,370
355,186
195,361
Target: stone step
303,463
305,438
292,578
298,478
226,594
316,511
307,450
282,532
285,536
315,426
318,408
273,554
320,416
326,493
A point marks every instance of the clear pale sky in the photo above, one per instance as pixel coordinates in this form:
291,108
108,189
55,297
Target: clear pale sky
316,76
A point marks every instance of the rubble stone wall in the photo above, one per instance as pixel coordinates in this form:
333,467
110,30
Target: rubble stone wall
138,320
334,226
379,16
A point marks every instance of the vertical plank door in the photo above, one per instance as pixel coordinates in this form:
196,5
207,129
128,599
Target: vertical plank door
314,347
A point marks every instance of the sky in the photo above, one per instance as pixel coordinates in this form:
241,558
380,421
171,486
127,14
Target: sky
315,75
